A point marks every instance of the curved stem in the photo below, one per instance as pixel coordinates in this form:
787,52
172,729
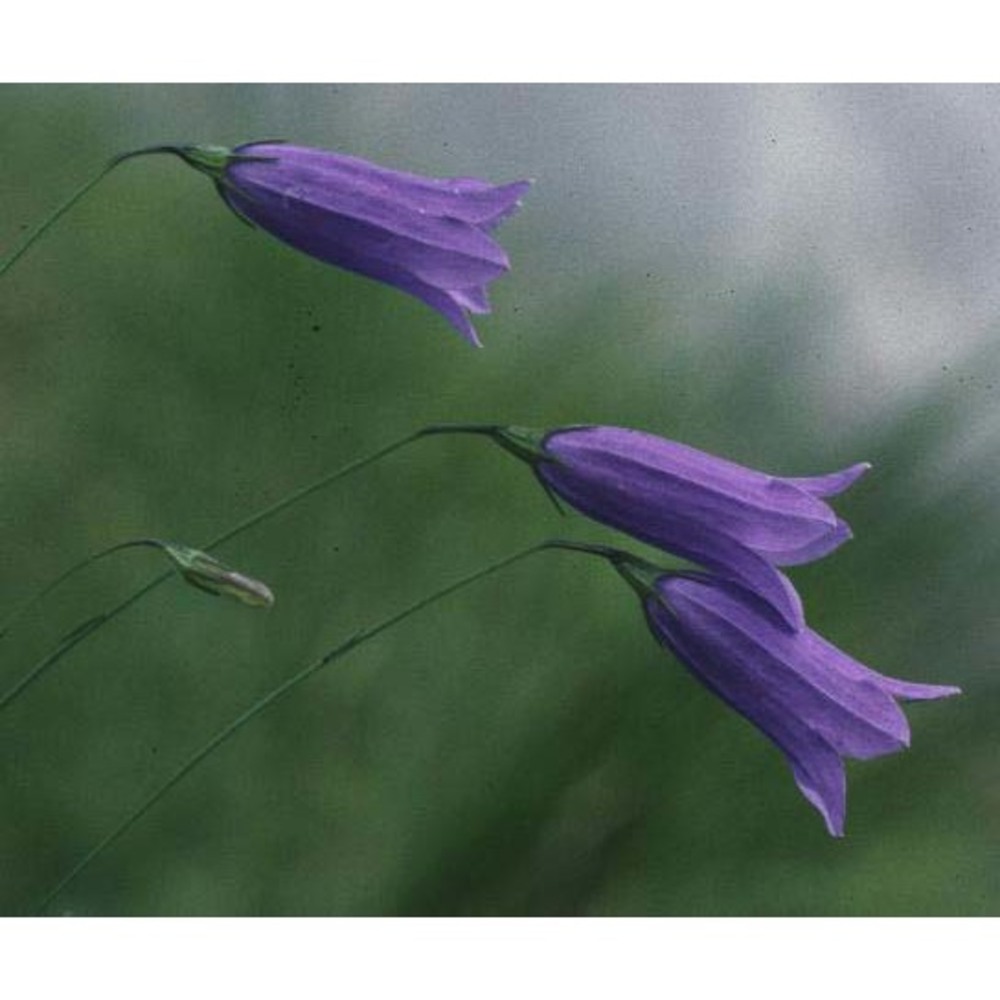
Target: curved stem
52,658
39,230
76,636
274,696
490,430
194,156
7,262
319,484
24,608
608,552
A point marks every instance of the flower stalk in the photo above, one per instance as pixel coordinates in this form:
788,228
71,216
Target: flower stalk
277,694
851,712
50,659
429,237
196,567
6,263
649,513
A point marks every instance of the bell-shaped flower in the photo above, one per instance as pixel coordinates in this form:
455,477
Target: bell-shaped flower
735,521
429,237
816,703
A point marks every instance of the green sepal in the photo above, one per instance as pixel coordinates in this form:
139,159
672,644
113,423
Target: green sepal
210,160
639,574
527,443
214,160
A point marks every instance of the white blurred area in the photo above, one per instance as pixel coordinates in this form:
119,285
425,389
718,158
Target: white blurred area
880,204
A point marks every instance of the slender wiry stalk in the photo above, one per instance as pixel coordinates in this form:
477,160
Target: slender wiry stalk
280,692
53,657
7,262
23,609
197,568
66,644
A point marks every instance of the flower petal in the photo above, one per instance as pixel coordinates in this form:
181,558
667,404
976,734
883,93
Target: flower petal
816,766
473,299
467,199
854,715
906,690
819,774
661,518
303,237
442,252
659,480
832,484
427,236
809,551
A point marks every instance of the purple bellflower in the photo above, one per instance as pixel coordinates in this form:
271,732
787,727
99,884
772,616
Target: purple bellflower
737,522
816,703
431,238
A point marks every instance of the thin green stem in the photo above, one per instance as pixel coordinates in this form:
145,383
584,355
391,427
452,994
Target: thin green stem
7,262
24,608
74,638
52,658
293,498
274,696
40,229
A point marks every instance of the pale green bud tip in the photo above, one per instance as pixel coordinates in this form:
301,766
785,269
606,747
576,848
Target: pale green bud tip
207,573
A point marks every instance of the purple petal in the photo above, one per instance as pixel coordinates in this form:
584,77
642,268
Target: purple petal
812,700
661,518
745,567
849,667
659,480
855,716
306,239
917,692
442,252
449,304
426,236
473,299
337,182
515,192
832,484
816,767
819,774
810,551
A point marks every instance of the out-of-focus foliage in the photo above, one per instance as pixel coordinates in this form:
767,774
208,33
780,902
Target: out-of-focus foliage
795,278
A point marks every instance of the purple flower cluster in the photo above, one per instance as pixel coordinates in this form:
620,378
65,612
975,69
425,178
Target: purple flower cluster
739,627
738,622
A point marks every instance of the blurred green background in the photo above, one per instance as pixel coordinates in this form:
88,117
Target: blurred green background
797,278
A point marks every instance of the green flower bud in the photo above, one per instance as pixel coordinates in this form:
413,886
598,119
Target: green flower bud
207,573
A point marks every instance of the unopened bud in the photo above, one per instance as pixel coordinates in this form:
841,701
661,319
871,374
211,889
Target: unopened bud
207,573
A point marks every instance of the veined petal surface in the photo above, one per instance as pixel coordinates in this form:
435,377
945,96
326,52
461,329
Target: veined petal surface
816,703
429,237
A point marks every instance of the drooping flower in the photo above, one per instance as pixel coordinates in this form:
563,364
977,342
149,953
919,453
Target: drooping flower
811,699
735,521
428,237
